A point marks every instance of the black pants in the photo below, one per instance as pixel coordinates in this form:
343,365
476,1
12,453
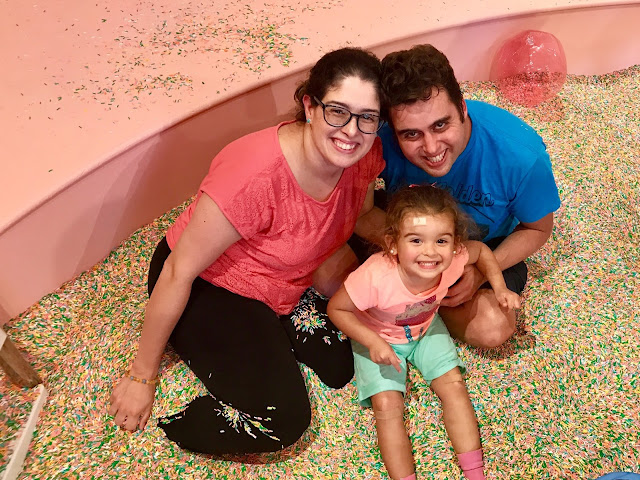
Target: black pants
247,357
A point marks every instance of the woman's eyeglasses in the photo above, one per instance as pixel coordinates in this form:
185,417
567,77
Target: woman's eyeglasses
337,116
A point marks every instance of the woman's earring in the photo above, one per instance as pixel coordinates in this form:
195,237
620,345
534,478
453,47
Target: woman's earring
392,251
308,120
454,252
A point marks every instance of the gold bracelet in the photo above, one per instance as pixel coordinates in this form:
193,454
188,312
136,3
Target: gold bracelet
144,381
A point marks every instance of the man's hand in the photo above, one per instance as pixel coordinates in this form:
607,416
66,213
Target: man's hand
465,288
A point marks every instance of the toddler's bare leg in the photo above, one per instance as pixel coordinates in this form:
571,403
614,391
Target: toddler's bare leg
457,411
460,421
393,440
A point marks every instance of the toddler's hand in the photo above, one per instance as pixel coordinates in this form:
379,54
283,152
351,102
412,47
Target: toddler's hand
508,299
382,354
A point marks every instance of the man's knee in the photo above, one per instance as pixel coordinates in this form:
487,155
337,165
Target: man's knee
498,327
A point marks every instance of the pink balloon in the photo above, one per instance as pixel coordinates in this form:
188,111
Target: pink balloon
529,68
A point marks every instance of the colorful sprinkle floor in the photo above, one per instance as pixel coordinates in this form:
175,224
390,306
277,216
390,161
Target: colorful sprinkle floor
558,401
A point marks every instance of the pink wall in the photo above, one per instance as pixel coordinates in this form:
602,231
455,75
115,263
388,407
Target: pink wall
69,229
596,40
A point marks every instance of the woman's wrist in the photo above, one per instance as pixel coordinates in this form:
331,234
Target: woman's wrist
145,381
141,371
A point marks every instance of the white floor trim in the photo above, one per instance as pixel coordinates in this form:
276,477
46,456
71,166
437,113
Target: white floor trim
21,443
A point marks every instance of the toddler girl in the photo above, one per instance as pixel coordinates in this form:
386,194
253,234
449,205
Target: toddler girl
388,307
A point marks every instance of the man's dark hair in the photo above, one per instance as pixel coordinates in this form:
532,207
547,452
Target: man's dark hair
411,75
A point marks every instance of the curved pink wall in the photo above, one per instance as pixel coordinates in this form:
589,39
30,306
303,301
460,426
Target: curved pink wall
108,179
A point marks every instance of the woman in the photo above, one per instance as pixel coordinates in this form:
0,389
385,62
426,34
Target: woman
275,205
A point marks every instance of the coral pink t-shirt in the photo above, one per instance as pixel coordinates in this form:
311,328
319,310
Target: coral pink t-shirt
387,307
286,234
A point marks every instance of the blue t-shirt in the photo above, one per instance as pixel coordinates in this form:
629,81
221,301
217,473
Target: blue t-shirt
502,177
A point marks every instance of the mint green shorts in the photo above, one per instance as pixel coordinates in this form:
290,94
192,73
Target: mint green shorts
433,355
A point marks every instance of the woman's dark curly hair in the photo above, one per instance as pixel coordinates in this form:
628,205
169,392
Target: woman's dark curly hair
334,67
411,75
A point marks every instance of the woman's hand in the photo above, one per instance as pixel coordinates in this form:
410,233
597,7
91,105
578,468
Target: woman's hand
204,239
131,403
382,354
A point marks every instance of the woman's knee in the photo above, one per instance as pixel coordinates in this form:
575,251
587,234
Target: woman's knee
294,423
337,377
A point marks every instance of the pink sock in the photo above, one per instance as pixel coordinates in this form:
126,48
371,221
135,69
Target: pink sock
472,465
410,477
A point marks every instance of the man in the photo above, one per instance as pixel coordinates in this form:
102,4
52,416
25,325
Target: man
494,164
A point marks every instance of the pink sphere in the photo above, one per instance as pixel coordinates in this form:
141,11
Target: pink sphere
529,68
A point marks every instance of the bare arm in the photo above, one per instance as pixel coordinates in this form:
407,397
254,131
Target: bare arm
205,238
525,240
485,261
341,311
370,224
330,275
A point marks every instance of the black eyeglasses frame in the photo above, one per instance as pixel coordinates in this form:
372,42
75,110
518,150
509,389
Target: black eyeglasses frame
351,115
